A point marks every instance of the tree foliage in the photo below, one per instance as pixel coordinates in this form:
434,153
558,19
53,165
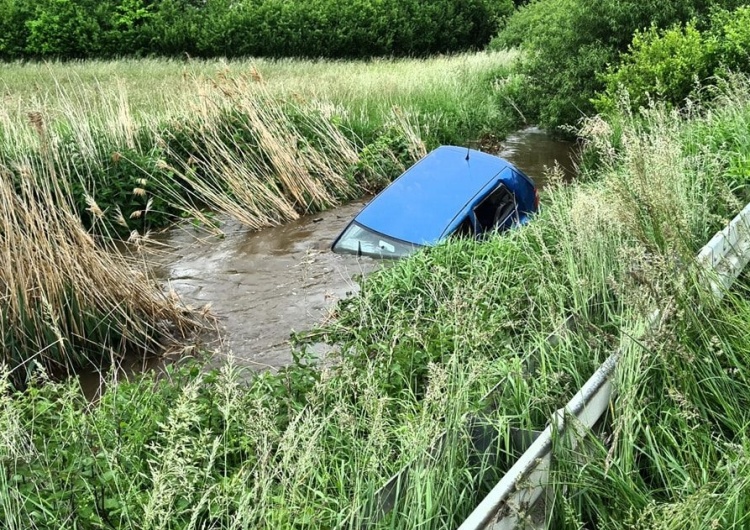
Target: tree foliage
671,64
569,43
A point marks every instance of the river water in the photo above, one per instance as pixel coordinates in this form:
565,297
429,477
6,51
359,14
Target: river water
262,285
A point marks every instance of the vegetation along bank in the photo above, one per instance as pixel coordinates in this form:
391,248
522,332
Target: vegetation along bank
422,344
427,338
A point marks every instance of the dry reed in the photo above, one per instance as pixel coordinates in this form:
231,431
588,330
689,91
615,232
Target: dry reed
63,298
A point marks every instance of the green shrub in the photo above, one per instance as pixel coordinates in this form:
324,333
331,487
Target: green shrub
270,28
665,65
62,28
568,42
670,64
13,30
732,31
123,26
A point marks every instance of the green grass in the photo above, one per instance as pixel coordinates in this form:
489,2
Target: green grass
217,134
421,345
451,96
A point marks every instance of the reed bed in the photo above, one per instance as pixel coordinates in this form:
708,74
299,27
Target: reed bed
64,300
235,143
265,160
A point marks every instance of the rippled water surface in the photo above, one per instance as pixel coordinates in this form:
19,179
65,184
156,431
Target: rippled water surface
262,285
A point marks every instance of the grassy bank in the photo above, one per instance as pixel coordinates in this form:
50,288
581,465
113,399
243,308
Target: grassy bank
119,149
151,140
64,301
450,95
422,344
157,86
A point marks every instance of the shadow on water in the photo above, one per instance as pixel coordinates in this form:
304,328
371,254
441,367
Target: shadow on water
262,285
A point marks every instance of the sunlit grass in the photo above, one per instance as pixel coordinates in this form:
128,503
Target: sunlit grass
366,90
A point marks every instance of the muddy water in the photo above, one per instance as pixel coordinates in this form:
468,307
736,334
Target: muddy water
262,285
533,151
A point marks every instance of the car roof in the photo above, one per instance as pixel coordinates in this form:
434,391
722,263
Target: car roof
419,206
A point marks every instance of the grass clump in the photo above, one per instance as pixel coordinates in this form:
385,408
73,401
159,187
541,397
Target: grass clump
203,449
63,299
263,141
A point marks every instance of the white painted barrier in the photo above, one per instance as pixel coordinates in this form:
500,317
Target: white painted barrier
728,252
723,257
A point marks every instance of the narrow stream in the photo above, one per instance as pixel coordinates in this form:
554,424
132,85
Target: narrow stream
533,151
263,285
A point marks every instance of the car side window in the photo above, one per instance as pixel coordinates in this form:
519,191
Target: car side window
495,209
465,229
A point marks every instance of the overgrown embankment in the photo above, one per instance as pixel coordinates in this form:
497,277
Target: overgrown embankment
118,149
65,301
421,345
151,141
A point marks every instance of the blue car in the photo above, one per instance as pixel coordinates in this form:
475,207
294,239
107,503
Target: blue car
452,190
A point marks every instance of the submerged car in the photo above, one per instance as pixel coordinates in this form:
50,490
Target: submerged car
452,190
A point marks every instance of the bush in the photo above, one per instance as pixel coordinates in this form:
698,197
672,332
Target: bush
62,28
732,31
270,28
123,26
666,65
568,42
670,64
13,30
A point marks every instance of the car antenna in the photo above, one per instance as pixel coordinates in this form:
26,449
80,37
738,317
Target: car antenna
467,154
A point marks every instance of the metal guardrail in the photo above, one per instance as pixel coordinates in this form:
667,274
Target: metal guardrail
485,440
723,258
727,253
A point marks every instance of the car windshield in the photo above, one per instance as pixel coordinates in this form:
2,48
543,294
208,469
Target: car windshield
362,241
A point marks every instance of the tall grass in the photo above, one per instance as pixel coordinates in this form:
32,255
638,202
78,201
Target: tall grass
452,96
674,452
262,140
421,346
265,160
63,299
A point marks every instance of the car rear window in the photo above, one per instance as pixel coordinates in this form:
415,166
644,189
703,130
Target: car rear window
360,240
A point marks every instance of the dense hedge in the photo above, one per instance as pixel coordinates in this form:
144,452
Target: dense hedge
231,28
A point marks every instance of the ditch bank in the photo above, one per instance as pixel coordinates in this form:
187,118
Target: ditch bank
262,285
